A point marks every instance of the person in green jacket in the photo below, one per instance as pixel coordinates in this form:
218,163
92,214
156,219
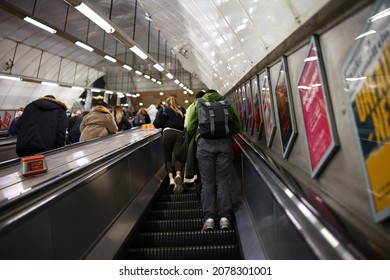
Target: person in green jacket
215,159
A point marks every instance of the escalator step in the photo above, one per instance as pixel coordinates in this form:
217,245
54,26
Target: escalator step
181,197
212,252
175,214
175,205
172,225
185,191
186,238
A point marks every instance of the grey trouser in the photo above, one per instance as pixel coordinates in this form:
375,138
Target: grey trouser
215,159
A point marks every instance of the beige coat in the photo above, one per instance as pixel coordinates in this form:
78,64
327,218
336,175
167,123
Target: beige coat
100,122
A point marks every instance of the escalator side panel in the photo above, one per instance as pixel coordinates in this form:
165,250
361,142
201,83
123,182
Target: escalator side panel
68,226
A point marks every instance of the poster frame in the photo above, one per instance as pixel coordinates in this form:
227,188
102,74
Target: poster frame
269,137
331,149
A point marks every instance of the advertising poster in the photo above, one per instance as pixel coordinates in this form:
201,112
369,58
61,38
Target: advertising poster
249,106
268,114
256,105
239,102
7,119
366,74
285,114
317,116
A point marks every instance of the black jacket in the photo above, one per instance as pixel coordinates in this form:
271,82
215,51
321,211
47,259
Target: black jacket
41,127
167,117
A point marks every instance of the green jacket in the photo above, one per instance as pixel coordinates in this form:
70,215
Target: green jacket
192,115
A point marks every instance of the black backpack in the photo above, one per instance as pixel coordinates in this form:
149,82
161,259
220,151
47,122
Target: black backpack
139,120
214,120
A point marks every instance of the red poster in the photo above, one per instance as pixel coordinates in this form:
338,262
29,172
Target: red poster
7,119
318,130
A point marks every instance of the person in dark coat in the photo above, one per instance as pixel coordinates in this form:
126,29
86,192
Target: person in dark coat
42,126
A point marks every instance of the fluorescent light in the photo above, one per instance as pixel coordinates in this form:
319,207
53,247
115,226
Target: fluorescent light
10,78
89,13
177,81
169,76
181,85
138,72
158,67
310,58
49,84
84,46
147,77
154,80
365,34
127,67
355,79
138,52
110,58
109,92
380,15
79,88
159,82
40,25
95,90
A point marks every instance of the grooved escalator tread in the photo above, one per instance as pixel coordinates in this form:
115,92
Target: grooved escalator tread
186,238
211,252
175,214
172,225
174,205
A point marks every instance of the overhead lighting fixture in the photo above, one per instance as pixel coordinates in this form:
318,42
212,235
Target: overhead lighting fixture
147,77
109,92
84,46
181,85
158,67
110,58
159,82
380,15
169,76
177,81
10,78
138,52
95,90
49,84
127,67
78,88
154,80
89,13
138,72
40,25
365,34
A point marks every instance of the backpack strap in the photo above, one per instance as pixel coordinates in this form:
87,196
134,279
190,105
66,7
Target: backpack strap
226,113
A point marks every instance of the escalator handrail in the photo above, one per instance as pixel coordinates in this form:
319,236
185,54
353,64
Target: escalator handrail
317,234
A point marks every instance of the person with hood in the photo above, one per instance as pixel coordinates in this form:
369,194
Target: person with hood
42,126
100,122
215,159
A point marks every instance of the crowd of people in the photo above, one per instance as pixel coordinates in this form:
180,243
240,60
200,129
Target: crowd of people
47,124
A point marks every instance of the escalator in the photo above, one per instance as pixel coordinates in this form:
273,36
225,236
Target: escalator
172,231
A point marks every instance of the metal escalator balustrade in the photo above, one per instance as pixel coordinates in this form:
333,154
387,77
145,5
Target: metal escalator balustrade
172,230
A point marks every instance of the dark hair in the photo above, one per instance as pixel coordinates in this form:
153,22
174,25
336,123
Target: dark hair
199,94
50,96
102,103
211,90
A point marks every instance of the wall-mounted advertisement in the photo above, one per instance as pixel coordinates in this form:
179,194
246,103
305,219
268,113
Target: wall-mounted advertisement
256,106
317,114
239,102
249,106
244,107
366,74
285,116
267,108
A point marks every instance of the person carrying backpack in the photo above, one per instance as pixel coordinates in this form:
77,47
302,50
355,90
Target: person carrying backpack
212,120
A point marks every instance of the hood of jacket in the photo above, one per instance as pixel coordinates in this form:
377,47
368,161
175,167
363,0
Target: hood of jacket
212,96
48,104
101,109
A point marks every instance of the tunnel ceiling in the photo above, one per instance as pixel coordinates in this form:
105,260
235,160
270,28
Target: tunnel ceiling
202,43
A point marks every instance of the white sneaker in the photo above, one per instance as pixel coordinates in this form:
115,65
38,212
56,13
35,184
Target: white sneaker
224,224
208,225
172,183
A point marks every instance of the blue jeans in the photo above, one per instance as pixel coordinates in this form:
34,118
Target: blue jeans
215,161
